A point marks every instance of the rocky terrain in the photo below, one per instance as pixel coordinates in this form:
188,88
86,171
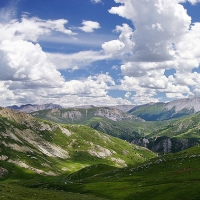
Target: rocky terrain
166,144
79,115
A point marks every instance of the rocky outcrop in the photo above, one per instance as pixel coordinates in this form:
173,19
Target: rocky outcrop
165,144
3,172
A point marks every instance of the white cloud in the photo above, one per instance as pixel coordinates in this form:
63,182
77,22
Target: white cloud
153,36
193,1
32,28
91,91
113,46
89,26
22,60
96,1
127,95
29,75
76,60
164,40
7,13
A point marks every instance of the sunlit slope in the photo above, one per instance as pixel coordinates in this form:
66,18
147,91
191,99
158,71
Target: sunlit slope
185,127
52,149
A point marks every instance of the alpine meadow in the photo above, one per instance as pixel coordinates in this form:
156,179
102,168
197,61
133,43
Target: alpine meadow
100,100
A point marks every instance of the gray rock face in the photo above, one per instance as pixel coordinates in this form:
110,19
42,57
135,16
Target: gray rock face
164,111
113,114
165,144
124,108
78,115
189,103
3,172
141,142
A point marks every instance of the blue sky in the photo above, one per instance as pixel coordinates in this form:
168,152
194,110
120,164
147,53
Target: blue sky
98,52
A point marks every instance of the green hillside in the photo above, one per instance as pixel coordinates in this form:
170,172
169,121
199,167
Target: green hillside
172,176
159,112
184,127
52,149
162,136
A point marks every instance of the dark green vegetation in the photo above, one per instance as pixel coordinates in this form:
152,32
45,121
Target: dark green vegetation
184,127
172,176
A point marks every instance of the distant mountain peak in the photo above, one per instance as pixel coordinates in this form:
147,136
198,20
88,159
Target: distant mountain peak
28,108
187,103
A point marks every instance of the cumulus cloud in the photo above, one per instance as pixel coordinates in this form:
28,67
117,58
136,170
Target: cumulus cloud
89,26
90,91
113,46
193,1
164,40
29,75
22,60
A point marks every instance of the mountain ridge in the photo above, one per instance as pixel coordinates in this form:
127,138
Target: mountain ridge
164,111
28,108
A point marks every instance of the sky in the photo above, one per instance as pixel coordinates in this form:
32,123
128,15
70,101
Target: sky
98,52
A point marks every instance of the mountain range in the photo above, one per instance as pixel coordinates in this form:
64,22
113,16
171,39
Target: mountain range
81,153
149,122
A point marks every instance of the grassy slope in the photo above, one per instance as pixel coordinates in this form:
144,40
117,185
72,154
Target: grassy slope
126,130
173,176
79,144
184,127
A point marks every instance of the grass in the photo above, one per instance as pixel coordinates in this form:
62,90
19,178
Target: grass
14,191
173,176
